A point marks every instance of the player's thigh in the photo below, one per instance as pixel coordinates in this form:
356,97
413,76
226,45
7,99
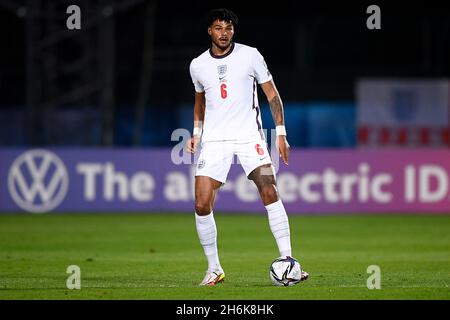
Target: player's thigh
263,176
206,187
264,179
254,155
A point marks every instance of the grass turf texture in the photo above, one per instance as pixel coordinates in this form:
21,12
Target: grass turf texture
159,257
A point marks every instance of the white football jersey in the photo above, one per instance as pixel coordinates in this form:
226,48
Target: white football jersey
230,86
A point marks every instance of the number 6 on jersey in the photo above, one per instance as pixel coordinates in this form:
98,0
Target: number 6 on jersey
223,92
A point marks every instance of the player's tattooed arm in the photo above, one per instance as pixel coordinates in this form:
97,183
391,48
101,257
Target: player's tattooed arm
276,105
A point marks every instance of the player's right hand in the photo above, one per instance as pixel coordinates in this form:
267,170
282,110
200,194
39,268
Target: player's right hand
192,144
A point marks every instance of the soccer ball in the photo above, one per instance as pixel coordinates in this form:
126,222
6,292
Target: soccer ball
285,271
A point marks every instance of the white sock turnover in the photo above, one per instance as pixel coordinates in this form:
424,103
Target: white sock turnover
279,225
207,234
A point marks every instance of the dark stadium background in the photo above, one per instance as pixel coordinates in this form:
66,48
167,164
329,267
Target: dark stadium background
316,51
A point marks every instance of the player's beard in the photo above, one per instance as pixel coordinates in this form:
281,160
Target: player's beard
223,47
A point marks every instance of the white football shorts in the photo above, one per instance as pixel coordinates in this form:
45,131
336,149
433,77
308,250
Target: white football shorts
216,157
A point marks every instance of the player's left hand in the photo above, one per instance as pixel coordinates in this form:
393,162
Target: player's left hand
283,148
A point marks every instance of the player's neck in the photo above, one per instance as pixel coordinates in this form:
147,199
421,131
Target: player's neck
216,51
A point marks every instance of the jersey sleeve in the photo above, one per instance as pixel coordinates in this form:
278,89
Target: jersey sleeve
260,69
197,85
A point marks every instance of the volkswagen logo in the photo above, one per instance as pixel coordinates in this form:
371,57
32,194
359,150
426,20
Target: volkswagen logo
38,181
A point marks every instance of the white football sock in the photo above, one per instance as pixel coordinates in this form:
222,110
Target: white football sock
207,233
279,225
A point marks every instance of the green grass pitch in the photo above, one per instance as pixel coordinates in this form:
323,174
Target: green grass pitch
156,256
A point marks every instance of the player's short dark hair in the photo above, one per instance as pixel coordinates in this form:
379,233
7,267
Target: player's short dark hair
221,14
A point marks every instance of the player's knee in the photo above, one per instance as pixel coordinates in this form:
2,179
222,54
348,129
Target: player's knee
202,208
269,194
